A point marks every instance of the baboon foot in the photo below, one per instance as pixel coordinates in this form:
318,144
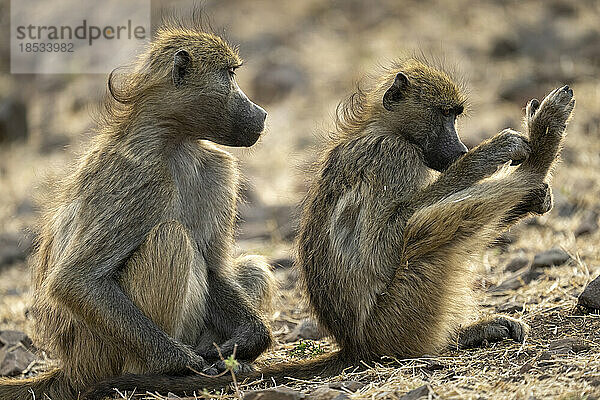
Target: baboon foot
547,121
493,329
539,200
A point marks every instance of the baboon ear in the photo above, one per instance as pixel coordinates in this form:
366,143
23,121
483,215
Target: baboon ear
396,92
181,62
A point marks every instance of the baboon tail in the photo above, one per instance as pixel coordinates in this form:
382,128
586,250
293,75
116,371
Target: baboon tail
51,384
328,365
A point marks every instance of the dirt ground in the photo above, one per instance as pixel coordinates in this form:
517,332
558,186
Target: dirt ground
302,58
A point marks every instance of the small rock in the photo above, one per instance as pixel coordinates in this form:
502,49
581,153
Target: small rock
516,264
544,356
593,380
562,8
306,329
13,338
588,224
421,392
14,360
550,258
590,297
326,393
278,393
526,367
567,345
434,365
351,386
510,307
519,279
13,120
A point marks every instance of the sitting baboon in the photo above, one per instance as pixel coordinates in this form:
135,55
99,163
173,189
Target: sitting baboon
135,270
385,247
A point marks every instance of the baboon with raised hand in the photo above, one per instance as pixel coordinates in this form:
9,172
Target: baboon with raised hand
385,246
135,270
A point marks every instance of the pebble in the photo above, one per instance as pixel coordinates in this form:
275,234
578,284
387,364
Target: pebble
421,392
307,329
351,386
327,393
567,345
14,360
278,393
516,264
550,258
589,299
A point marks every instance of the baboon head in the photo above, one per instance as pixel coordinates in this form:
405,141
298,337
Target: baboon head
187,77
423,104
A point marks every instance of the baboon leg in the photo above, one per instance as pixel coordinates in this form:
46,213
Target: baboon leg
236,306
157,280
492,329
479,163
432,284
233,320
254,274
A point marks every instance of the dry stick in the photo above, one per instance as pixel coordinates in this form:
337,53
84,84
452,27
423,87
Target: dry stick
230,368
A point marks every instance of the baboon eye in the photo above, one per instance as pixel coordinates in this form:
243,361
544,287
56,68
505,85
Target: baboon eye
231,71
446,112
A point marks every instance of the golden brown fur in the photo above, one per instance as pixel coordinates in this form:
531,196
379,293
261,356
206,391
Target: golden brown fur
385,245
135,270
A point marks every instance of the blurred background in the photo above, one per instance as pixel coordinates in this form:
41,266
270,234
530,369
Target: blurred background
301,58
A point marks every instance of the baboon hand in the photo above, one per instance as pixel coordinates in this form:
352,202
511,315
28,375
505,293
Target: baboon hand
180,360
507,146
550,117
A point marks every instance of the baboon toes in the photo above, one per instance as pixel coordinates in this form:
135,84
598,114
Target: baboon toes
532,107
550,117
540,199
493,329
516,330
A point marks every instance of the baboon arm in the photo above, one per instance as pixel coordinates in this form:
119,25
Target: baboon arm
231,316
479,163
85,281
101,304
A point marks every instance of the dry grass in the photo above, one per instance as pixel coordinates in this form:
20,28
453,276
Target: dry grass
334,45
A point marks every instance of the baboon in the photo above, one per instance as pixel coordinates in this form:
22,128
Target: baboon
385,246
135,270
